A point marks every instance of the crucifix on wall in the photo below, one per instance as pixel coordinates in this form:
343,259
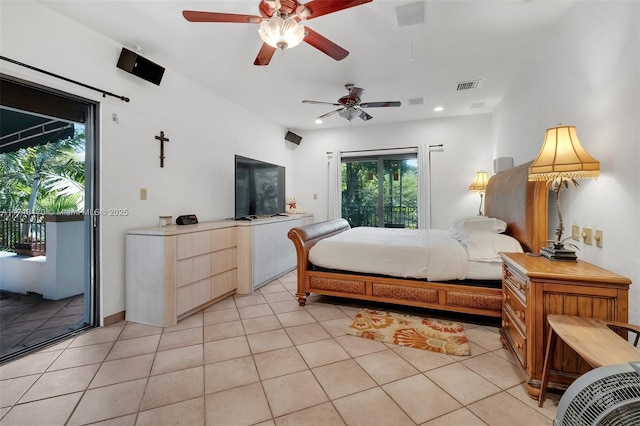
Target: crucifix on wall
162,140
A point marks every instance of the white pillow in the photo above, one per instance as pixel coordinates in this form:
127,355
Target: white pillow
478,224
484,247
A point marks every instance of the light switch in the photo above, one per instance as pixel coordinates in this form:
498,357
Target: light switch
587,235
143,193
575,232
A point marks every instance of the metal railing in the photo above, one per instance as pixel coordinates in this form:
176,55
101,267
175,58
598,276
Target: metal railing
394,217
23,232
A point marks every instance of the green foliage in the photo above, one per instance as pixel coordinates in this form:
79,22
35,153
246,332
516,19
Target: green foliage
361,189
48,178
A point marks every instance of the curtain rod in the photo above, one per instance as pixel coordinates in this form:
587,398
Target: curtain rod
104,92
379,149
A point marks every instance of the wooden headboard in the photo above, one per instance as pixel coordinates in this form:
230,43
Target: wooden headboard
522,204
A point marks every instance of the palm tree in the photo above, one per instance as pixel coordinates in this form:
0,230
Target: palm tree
48,178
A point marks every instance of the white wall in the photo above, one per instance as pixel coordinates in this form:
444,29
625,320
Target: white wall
588,76
205,131
467,149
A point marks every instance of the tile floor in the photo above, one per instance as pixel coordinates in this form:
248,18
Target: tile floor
28,320
263,360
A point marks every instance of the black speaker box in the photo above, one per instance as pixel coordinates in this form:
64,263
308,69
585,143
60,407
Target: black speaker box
292,137
140,66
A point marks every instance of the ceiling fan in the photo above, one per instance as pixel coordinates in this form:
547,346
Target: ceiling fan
279,24
350,105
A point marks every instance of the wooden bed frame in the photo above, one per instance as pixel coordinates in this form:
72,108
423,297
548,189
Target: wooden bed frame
509,196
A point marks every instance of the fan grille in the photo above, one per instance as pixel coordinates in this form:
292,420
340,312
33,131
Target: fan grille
615,398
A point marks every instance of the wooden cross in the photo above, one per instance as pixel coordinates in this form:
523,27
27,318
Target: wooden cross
162,140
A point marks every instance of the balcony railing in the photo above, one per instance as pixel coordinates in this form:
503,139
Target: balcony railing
23,233
394,217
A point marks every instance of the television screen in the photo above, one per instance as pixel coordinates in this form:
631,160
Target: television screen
260,188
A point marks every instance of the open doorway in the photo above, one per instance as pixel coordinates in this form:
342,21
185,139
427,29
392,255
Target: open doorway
47,240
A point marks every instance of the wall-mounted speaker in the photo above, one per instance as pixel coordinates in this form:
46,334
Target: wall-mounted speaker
140,66
292,137
501,164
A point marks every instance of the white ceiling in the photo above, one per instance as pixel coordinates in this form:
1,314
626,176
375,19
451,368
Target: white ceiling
459,41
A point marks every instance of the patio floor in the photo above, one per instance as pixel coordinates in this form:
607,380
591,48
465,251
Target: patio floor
29,320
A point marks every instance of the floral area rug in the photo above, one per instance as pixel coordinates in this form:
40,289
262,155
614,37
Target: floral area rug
408,330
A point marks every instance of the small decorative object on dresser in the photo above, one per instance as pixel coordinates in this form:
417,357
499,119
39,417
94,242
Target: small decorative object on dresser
535,287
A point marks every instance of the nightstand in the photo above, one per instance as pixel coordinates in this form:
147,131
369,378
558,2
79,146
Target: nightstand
534,287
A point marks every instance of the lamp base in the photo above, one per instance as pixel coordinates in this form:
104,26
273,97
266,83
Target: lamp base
559,252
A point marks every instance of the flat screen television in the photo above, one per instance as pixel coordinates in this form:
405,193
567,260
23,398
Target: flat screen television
260,188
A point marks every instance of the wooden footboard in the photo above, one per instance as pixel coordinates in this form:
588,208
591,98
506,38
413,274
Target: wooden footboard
444,296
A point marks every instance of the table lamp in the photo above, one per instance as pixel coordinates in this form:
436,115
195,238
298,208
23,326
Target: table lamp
561,160
480,185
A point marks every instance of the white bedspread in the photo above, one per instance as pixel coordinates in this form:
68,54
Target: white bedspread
408,253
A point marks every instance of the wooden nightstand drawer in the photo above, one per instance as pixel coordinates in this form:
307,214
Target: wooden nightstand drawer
517,340
513,302
517,281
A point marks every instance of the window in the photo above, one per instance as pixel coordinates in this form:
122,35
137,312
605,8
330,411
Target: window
380,190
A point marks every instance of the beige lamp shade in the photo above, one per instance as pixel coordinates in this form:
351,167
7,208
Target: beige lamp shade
562,156
480,182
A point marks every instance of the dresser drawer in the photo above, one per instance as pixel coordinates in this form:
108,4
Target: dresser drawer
223,238
517,339
193,295
512,301
193,269
194,244
517,281
224,260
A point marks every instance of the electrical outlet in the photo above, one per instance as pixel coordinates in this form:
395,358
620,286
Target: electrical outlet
587,235
143,193
598,238
575,232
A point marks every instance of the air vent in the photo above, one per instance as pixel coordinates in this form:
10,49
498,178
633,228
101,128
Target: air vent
416,101
411,14
467,85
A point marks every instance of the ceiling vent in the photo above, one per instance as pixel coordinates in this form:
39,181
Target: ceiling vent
469,84
416,101
411,14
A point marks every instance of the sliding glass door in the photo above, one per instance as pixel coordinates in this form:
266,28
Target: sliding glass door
380,191
47,242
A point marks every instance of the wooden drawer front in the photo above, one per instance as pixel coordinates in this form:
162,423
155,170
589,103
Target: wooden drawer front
193,244
517,339
223,238
193,295
514,303
224,260
193,269
224,283
517,281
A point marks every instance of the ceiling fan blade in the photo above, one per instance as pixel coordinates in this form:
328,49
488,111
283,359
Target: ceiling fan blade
329,114
196,16
320,103
324,45
264,55
380,104
365,116
356,92
317,8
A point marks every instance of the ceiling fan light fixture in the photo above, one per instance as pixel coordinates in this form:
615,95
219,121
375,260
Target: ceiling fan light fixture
281,33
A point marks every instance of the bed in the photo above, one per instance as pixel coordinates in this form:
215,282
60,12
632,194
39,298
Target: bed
510,197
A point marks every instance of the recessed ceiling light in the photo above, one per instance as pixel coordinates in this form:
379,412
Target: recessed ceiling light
438,109
318,121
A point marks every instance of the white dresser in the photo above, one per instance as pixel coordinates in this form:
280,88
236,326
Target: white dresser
264,250
174,271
